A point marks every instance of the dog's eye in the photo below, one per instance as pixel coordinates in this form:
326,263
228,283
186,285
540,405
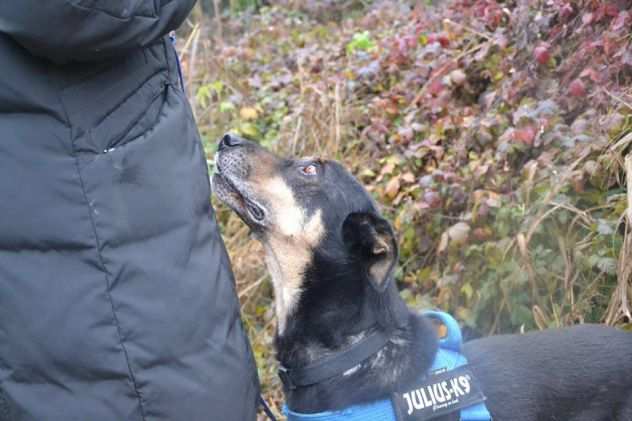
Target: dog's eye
309,169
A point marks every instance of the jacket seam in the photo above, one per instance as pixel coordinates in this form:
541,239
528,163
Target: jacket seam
116,323
109,295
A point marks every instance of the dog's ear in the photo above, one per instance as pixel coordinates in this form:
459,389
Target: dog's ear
371,239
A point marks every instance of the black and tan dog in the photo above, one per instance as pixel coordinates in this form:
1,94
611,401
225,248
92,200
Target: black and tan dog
331,257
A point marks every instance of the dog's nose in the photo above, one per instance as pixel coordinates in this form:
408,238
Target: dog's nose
229,141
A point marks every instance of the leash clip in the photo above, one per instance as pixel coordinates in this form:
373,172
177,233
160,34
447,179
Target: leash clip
286,379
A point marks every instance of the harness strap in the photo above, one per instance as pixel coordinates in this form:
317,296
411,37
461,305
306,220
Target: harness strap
338,363
383,410
333,365
448,358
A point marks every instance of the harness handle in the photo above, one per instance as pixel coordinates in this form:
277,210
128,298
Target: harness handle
453,340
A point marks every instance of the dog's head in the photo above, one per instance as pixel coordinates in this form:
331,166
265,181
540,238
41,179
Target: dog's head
325,240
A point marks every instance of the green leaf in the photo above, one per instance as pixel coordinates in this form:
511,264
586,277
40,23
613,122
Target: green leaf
467,290
226,107
250,130
217,86
361,41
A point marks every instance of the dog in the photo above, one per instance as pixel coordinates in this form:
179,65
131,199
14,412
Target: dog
332,256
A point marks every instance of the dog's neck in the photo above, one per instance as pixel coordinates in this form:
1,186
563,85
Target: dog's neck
323,322
287,256
285,265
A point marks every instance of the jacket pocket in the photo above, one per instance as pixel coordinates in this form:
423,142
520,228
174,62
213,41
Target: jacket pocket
110,105
133,117
113,108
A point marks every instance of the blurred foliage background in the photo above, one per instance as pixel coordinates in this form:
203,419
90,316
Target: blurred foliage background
494,135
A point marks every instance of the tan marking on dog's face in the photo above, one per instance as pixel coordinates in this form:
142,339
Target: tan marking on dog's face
288,252
287,216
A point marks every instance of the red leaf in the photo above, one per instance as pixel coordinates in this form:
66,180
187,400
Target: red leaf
441,38
566,11
599,14
609,45
577,88
524,135
435,87
493,15
444,40
611,10
541,53
591,73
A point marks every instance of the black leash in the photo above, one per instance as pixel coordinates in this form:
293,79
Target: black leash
266,409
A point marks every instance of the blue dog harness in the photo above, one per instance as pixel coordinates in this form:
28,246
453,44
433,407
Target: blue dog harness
447,359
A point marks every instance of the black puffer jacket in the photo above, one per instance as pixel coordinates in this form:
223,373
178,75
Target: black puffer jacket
117,300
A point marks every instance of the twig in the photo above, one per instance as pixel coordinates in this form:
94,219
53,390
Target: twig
618,99
195,29
218,18
628,179
192,57
492,330
539,317
541,217
623,142
297,132
524,253
338,112
251,286
550,196
619,306
578,212
469,29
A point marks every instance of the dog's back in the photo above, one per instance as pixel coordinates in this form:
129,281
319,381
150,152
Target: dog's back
583,373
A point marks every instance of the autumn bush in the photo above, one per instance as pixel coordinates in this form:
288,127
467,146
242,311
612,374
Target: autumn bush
492,133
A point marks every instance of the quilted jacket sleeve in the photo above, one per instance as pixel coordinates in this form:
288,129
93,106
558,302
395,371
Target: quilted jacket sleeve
85,30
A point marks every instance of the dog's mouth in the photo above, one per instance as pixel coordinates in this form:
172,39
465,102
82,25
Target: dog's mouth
234,194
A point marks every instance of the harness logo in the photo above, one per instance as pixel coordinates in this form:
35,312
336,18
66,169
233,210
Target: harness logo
438,394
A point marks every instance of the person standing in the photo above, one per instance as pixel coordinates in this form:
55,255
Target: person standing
117,300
